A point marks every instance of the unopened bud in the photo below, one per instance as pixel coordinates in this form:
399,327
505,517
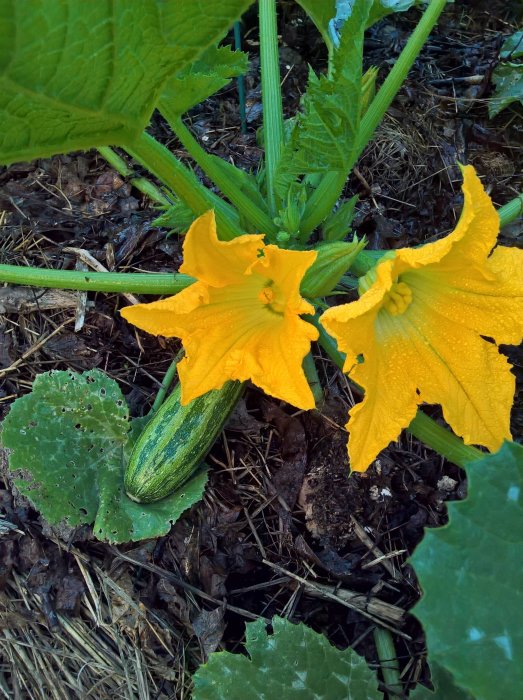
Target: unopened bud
333,261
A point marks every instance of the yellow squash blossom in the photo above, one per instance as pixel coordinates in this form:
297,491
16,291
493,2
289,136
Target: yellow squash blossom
240,319
425,330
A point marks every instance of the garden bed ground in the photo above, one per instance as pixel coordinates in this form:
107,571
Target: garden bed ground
282,529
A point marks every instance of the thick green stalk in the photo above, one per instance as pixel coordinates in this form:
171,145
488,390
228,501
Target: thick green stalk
256,216
510,211
331,186
145,186
311,372
168,379
388,661
137,283
424,428
271,96
184,183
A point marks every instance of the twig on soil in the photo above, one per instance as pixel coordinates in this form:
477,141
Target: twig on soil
34,348
371,546
372,608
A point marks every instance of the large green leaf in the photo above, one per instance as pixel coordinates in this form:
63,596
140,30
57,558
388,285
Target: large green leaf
324,135
202,78
70,437
293,663
471,572
77,74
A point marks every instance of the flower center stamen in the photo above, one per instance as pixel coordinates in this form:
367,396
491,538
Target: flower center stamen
268,297
398,299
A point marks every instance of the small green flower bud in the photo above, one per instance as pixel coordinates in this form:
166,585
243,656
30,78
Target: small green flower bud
282,237
333,261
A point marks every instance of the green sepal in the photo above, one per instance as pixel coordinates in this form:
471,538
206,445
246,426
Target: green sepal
176,217
333,261
337,224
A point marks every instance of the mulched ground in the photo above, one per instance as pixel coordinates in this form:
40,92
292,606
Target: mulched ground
282,529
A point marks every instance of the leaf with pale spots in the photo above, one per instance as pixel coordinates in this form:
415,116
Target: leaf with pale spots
293,662
69,440
470,573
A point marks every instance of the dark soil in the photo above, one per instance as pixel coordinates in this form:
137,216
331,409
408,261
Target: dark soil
282,527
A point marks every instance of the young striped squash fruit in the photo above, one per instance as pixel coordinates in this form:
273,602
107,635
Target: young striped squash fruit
175,442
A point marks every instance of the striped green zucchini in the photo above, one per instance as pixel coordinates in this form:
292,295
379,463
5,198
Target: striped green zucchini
175,442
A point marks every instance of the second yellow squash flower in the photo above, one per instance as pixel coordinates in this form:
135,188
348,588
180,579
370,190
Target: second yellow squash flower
425,330
240,319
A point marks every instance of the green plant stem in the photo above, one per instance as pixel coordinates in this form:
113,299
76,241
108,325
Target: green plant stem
331,186
168,379
211,166
145,186
137,283
510,211
153,283
184,183
422,427
388,661
240,80
271,96
311,372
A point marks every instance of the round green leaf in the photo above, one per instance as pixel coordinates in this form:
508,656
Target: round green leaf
294,663
470,573
70,438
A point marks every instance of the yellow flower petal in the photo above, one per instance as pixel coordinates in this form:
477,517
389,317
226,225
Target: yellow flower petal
353,324
417,333
243,339
216,262
465,374
286,269
161,317
492,305
388,375
240,320
468,246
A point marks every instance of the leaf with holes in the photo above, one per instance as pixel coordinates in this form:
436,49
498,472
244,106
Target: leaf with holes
470,573
294,662
508,79
69,439
76,74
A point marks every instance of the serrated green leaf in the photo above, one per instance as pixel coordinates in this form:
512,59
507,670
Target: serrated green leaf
324,135
512,47
177,218
202,78
71,435
76,74
294,663
470,573
508,79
